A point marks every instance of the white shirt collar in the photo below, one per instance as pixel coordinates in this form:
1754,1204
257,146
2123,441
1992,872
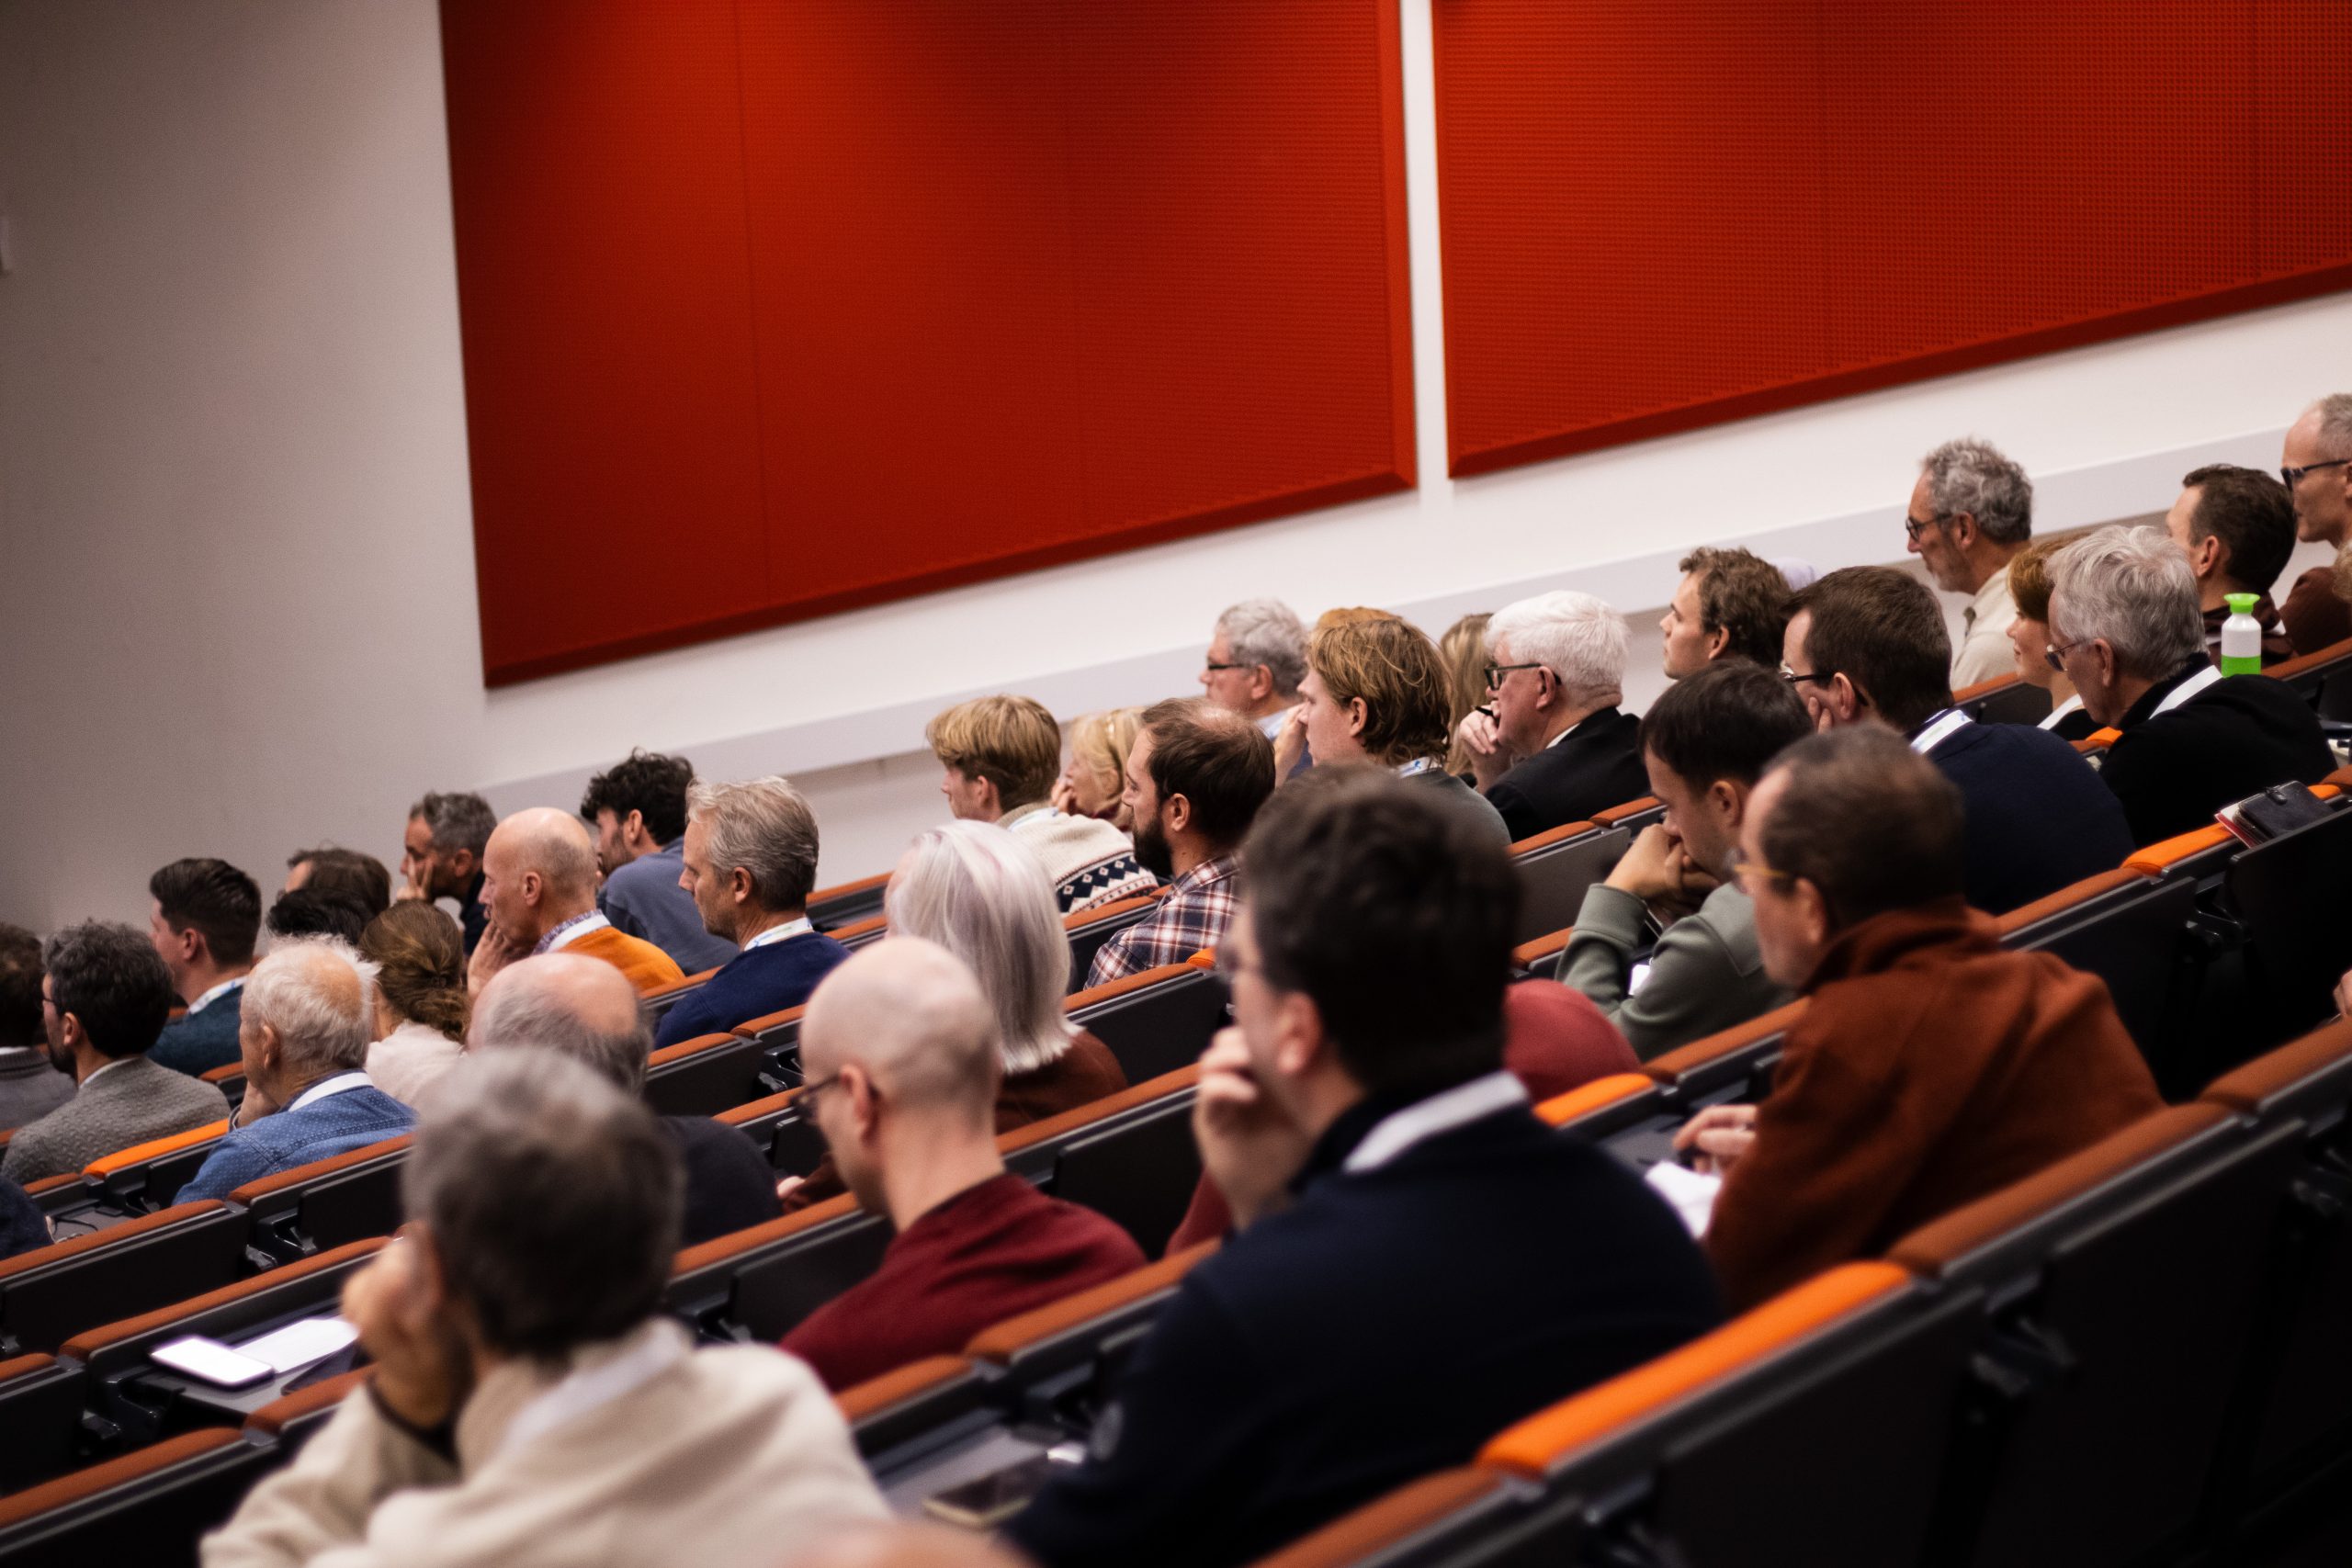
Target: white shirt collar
571,931
1938,729
118,1061
1399,1131
339,1083
215,994
781,934
644,1355
2204,677
2057,714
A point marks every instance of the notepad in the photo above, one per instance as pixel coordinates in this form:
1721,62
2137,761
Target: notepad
298,1345
1691,1192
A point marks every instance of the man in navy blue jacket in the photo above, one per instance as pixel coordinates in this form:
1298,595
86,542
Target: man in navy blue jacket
751,859
1870,642
1419,1260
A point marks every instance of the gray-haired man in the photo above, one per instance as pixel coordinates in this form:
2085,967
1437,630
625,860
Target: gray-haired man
1970,511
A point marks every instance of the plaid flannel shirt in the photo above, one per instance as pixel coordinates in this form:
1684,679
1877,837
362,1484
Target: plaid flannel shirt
1198,907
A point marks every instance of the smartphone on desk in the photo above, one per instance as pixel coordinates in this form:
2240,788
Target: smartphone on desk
209,1361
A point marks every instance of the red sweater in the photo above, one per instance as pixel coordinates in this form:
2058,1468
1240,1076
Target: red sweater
985,1254
1930,1069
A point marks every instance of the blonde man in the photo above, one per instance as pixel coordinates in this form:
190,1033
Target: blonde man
1000,756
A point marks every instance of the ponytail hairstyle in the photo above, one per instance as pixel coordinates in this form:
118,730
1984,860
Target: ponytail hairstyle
421,956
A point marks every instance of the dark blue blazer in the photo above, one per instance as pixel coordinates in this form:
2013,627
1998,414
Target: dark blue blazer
1382,1327
2039,818
751,984
196,1043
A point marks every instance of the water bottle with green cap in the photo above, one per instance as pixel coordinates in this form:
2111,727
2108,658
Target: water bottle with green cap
2241,638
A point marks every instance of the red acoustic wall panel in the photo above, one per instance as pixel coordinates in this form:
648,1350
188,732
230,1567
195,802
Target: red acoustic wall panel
772,309
1659,214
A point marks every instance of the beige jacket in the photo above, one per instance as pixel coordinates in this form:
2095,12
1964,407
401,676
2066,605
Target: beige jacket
715,1457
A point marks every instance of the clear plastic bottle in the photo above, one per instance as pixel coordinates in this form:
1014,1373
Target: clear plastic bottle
2242,637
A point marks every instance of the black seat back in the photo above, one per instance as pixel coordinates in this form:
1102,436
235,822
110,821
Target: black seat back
2290,894
707,1080
1159,1027
1552,880
40,1418
49,1295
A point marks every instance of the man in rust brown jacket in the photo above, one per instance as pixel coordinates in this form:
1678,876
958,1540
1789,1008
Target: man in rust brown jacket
1929,1066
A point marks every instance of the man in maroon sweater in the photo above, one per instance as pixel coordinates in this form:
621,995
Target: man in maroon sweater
900,1049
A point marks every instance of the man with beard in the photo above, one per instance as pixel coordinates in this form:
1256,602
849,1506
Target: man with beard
1196,776
1972,512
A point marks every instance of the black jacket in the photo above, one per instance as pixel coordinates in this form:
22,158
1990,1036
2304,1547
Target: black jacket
1382,1327
730,1185
1593,767
2236,738
2038,818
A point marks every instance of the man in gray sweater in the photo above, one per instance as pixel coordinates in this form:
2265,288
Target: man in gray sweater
103,1000
1704,743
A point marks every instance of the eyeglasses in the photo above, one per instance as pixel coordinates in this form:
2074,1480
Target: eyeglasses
810,1092
2295,475
2056,653
1794,679
1749,873
1212,667
1913,527
1494,672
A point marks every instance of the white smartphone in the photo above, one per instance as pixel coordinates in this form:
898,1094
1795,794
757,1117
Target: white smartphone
209,1360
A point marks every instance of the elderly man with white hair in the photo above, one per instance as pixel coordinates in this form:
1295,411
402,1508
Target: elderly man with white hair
2316,464
1551,745
2124,627
538,882
308,1019
1972,512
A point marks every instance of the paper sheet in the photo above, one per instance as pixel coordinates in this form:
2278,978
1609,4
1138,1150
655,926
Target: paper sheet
1691,1192
298,1345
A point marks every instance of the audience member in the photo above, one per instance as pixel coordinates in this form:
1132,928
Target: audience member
1704,742
316,911
1729,605
105,997
1376,692
899,1051
2237,527
2029,638
29,1085
751,860
1868,642
2123,608
538,882
420,1005
1392,1188
441,856
2317,468
23,1226
1555,749
308,1015
1930,1066
1972,509
530,1406
1257,658
1092,779
345,873
1462,652
205,918
587,1010
637,809
1000,755
1196,776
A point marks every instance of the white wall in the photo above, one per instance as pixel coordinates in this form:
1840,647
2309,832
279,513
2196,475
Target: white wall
236,584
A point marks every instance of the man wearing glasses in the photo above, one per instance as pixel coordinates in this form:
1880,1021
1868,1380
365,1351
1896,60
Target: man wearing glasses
1972,509
2317,468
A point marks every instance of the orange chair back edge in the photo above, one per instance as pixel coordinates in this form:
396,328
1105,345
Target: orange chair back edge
83,1345
1563,1109
155,1148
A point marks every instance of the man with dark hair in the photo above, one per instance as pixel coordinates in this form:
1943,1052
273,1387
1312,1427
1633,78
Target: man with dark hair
588,1010
1729,605
104,997
2237,528
751,860
342,873
1196,776
29,1087
317,911
1391,1187
1868,643
1705,743
637,810
204,920
531,1404
441,856
1929,1066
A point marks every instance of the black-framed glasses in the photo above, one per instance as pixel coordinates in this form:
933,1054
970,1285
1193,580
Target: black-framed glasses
2294,477
1913,527
810,1092
1749,873
1494,672
1212,667
2056,652
1797,679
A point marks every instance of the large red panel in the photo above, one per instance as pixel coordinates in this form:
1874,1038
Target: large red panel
1659,214
996,283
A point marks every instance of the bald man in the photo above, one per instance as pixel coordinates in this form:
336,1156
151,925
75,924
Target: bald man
587,1010
307,1018
899,1047
539,889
